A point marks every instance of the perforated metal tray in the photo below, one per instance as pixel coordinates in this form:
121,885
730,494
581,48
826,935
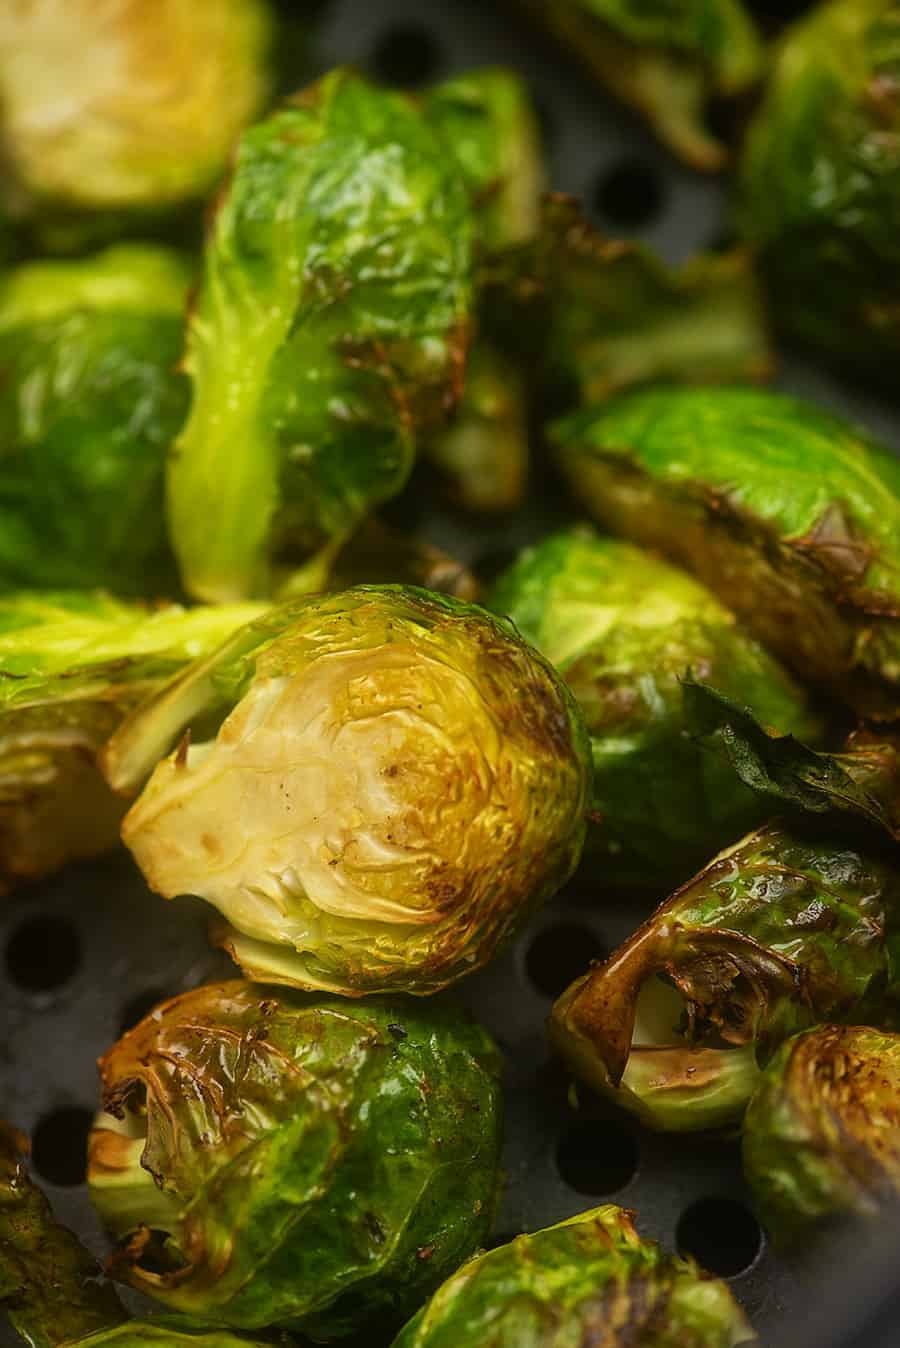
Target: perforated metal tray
88,953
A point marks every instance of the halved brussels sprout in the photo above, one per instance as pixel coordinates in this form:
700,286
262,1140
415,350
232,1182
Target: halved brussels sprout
50,1285
71,666
783,930
128,108
822,1132
667,61
90,399
788,514
588,1280
625,630
396,782
330,329
821,183
274,1159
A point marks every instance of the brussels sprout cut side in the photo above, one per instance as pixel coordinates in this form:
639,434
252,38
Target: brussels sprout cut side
330,329
625,629
409,777
786,512
72,665
822,1133
666,61
275,1159
587,1280
90,400
820,184
782,930
112,115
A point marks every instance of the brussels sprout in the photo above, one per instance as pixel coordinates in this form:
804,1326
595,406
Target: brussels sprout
487,119
586,1280
624,629
89,401
666,60
279,1159
821,182
126,109
619,316
862,782
407,777
822,1132
786,512
780,931
330,329
71,666
483,453
379,555
49,1284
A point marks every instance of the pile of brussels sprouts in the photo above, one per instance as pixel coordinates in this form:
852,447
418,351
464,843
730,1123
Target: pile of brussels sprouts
373,763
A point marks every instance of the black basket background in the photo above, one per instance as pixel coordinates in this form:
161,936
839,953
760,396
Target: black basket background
88,953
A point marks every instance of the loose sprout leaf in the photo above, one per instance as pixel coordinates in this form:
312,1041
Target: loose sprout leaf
863,781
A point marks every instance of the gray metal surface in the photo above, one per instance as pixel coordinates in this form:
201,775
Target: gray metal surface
86,954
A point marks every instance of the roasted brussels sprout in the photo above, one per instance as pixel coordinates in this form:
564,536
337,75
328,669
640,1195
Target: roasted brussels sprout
783,930
786,512
822,1132
587,1280
821,183
71,665
279,1159
89,401
408,777
624,630
667,61
330,330
125,109
49,1284
488,122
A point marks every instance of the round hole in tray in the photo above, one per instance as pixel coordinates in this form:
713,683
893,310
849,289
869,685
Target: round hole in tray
138,1007
630,194
43,952
406,54
560,954
597,1156
59,1145
721,1234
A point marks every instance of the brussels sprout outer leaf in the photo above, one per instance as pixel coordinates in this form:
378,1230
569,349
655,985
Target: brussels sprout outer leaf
664,64
786,512
330,328
821,183
49,1284
162,1333
321,1164
779,932
822,1133
621,317
587,1280
424,781
624,628
864,781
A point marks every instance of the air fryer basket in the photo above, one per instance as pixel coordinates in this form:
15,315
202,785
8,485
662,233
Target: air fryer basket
88,953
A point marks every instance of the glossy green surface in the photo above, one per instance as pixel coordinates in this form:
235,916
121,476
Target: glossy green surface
145,1334
822,1132
666,60
89,402
330,329
72,664
320,1164
790,514
588,1280
624,629
820,189
782,930
411,776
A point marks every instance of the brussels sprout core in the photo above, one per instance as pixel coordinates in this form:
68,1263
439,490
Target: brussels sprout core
398,781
